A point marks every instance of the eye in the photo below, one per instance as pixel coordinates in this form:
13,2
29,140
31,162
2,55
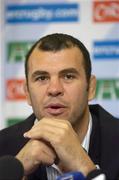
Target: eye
42,78
69,76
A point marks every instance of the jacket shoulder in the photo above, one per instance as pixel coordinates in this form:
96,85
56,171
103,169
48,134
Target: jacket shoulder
12,139
108,134
102,115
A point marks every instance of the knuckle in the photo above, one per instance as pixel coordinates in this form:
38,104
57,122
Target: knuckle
34,153
35,149
67,128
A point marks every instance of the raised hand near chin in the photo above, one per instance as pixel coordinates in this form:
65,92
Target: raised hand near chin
64,140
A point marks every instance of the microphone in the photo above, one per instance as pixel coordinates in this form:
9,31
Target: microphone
10,168
72,176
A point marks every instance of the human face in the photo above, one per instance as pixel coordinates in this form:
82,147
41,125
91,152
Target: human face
57,85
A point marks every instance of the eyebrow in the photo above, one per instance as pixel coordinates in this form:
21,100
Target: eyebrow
69,70
38,72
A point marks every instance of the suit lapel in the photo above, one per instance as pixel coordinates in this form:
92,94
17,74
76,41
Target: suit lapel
95,141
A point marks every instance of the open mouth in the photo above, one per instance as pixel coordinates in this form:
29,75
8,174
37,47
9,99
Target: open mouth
55,109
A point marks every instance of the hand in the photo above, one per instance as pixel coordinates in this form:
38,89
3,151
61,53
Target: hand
60,134
34,153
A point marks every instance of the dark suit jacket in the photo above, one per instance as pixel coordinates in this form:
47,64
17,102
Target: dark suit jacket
103,149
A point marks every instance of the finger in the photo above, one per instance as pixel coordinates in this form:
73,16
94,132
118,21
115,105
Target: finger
46,148
48,126
34,153
54,122
39,135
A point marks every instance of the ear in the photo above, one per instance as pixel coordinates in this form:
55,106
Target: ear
92,88
26,90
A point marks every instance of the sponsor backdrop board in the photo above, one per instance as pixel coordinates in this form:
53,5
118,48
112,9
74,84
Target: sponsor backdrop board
94,22
2,100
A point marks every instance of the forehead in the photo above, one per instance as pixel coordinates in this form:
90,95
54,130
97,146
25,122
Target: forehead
58,60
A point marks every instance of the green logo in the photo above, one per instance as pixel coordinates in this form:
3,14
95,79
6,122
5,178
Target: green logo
12,121
107,89
18,50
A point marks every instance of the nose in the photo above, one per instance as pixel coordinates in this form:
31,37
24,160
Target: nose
55,88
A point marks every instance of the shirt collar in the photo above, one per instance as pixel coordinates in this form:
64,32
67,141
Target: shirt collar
86,141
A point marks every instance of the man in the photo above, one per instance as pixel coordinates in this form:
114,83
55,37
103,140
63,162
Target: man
64,134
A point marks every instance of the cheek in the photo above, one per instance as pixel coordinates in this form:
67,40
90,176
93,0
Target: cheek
36,95
77,95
